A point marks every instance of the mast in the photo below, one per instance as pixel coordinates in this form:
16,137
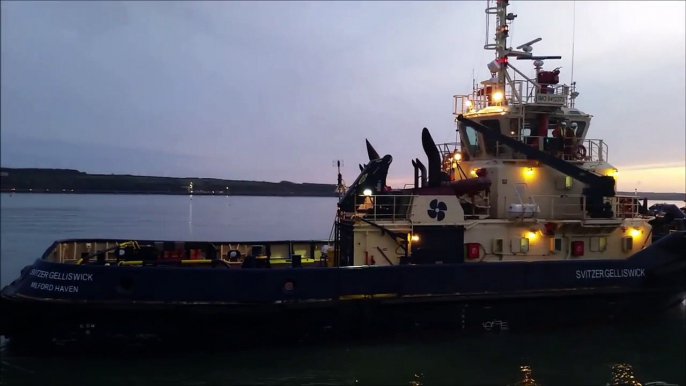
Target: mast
498,66
335,234
501,89
501,35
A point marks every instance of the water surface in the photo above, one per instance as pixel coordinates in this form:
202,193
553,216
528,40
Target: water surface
583,356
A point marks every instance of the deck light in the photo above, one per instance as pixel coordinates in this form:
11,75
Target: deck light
367,192
497,96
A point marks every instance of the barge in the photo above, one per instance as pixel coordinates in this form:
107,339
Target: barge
516,224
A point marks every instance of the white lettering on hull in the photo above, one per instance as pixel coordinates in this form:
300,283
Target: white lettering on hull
54,288
65,276
60,277
609,273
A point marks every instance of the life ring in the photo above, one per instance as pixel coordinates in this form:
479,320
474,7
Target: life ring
580,152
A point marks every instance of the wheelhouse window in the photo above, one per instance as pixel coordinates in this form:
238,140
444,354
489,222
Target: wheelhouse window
581,128
470,140
545,139
531,126
491,146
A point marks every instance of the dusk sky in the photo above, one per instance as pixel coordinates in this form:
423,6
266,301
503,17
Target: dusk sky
278,90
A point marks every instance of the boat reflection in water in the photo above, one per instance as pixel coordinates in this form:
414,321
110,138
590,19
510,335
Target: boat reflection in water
622,375
527,380
417,381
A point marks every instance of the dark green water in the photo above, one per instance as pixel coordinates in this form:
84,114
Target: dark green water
583,356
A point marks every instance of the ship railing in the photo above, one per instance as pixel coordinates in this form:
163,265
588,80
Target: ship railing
518,93
74,251
448,148
589,150
450,152
526,92
541,95
469,103
626,206
572,206
386,207
564,207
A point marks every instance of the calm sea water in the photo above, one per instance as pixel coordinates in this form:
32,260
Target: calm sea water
29,223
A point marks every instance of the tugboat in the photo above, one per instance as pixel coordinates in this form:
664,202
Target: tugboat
516,225
666,218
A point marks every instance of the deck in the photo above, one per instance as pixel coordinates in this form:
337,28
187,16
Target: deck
193,253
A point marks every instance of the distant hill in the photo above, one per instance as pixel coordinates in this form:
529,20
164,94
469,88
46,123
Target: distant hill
74,181
658,196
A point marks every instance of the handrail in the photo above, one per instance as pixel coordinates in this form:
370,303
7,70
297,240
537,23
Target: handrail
627,206
588,150
385,207
571,206
558,206
520,92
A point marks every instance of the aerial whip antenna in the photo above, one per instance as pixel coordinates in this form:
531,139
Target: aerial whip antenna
340,186
573,37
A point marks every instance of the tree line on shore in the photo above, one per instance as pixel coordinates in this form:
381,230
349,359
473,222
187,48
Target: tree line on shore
67,180
74,181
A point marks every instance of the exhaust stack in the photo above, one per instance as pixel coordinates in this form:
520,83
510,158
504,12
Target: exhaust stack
422,174
434,157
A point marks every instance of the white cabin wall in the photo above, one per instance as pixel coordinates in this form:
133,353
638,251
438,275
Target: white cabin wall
541,245
543,183
421,205
367,238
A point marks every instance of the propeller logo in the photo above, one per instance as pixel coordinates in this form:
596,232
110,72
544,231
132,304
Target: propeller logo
437,209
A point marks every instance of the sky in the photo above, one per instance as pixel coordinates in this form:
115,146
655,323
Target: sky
279,90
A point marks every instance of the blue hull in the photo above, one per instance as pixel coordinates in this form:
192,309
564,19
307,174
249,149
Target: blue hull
119,299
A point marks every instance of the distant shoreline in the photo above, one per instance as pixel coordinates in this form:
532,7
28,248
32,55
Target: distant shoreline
67,181
141,193
652,196
655,196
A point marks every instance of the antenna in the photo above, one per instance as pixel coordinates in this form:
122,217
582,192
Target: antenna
529,44
340,186
573,37
473,81
488,6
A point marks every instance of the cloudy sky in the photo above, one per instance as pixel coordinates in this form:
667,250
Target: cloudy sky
278,90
